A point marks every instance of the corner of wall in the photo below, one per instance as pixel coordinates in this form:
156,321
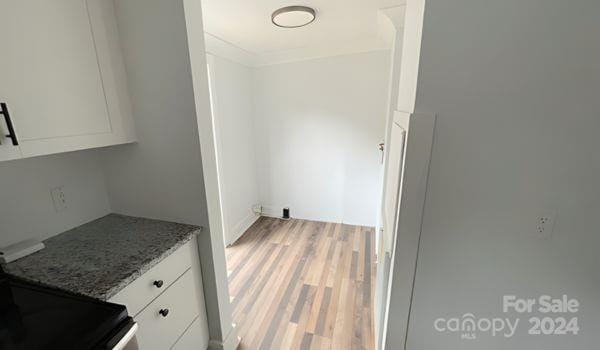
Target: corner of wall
241,226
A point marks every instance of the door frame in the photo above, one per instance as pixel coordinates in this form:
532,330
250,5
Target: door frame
387,227
408,224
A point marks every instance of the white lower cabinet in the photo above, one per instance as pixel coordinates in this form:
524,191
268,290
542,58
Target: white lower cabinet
139,293
172,316
195,337
166,318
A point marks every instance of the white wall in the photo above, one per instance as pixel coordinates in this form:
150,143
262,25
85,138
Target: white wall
318,123
26,207
233,114
161,176
515,88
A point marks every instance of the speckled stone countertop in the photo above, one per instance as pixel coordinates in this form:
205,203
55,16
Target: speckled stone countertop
100,258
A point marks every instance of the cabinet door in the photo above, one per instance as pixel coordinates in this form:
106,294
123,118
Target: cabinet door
9,148
50,75
169,315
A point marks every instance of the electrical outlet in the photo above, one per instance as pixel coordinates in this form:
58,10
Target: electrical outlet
59,199
545,225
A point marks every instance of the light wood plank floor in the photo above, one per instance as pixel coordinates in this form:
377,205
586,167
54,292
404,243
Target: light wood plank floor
298,284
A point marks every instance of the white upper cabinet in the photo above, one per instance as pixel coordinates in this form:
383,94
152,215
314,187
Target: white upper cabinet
62,77
8,143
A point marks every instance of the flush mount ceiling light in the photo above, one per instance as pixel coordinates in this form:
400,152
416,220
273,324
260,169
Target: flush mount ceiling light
293,16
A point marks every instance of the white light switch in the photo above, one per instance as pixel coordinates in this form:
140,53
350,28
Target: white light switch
59,199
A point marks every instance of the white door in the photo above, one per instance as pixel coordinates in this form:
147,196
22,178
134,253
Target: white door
393,179
393,176
415,132
49,72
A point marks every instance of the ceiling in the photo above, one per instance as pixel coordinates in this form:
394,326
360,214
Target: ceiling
246,24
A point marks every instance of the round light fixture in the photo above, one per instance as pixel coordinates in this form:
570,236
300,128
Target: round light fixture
293,16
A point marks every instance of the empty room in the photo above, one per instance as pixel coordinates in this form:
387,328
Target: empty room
300,102
317,174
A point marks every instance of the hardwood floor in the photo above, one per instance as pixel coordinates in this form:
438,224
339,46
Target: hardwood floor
298,284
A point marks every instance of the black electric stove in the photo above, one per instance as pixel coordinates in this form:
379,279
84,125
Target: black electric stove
37,317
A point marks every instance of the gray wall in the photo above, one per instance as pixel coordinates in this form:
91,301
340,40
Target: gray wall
161,176
516,88
26,207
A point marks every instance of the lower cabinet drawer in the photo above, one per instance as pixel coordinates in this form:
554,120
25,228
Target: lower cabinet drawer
195,337
163,321
151,284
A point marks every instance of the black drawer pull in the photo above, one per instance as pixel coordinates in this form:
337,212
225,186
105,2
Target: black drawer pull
158,283
164,312
11,130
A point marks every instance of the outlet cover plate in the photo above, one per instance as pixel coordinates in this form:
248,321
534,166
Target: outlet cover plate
59,199
544,226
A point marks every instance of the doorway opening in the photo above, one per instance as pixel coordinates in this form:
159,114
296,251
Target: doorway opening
298,116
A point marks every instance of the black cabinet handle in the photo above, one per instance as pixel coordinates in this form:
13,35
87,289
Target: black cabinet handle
164,312
11,130
158,283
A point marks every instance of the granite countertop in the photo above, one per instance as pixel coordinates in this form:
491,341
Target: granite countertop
100,258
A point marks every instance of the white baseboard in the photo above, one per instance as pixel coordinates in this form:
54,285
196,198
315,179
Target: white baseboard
241,227
231,342
271,211
275,212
